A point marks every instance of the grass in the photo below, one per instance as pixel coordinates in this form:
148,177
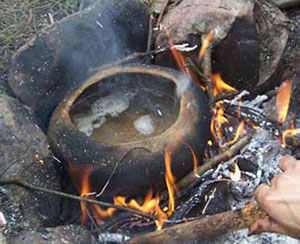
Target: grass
21,19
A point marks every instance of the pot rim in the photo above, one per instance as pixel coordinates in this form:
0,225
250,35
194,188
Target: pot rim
182,127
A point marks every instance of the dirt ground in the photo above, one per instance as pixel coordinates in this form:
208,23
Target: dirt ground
22,19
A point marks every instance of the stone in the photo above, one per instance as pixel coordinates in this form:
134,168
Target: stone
24,153
65,54
69,234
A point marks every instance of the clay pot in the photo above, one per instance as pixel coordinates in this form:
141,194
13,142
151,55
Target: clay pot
138,161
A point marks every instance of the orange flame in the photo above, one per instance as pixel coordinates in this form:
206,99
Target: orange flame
289,133
178,56
170,182
220,85
283,100
195,160
151,204
218,119
207,41
84,191
97,212
239,131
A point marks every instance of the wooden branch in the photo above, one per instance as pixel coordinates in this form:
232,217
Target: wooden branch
162,11
204,228
27,185
206,67
224,95
130,57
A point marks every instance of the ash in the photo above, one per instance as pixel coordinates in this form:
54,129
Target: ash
259,164
144,125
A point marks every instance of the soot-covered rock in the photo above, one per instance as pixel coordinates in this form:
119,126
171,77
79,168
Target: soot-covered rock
274,36
69,234
249,38
68,52
236,58
236,55
24,153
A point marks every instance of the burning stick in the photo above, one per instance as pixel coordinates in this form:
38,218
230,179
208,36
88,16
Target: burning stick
213,162
20,182
204,228
206,66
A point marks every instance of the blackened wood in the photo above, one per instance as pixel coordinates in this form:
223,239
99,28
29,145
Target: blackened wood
204,228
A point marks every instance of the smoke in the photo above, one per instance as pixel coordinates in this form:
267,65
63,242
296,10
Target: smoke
182,85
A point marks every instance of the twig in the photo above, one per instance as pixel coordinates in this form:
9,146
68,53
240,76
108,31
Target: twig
224,95
131,57
25,184
206,66
150,33
204,228
162,11
234,149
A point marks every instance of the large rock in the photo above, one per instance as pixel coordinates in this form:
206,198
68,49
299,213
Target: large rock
249,38
70,51
24,153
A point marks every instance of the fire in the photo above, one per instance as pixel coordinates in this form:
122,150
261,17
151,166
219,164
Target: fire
170,182
218,119
149,206
178,56
239,131
289,133
236,174
283,100
207,41
220,86
97,212
151,203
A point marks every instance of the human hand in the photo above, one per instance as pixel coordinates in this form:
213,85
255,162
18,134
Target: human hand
281,200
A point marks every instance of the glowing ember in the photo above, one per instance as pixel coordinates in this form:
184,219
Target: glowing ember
236,174
207,41
220,86
283,100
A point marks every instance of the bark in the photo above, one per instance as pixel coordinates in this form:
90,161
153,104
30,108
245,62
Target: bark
204,228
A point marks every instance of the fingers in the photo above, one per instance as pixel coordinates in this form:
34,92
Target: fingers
260,193
288,163
266,225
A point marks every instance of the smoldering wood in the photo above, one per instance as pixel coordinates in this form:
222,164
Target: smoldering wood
209,164
204,228
207,70
254,115
194,200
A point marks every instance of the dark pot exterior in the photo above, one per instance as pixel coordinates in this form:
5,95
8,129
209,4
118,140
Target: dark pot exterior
140,163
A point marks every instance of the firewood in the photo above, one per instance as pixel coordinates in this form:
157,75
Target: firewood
204,228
